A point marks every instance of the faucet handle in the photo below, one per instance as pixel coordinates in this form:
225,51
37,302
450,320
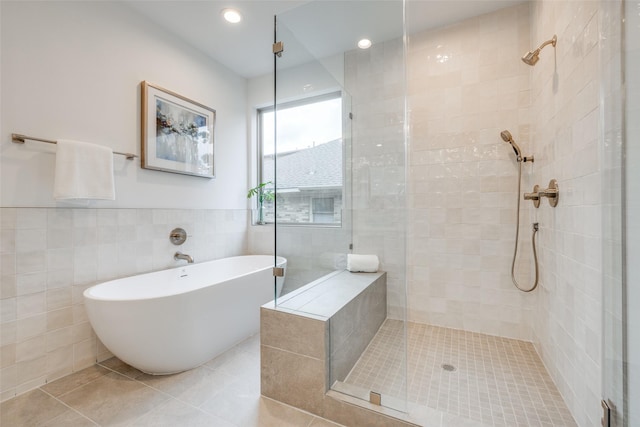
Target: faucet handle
178,236
534,197
552,193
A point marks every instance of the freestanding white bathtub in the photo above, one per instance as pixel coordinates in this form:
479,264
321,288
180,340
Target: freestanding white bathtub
173,320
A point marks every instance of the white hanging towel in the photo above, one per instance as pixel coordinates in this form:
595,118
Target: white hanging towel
362,263
83,171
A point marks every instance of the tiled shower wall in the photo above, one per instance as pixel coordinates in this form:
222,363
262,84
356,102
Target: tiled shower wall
567,322
466,85
49,256
375,80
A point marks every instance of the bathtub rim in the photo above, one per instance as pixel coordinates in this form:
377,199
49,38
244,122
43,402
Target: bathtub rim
88,293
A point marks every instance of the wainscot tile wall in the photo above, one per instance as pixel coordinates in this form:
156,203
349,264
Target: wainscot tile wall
49,256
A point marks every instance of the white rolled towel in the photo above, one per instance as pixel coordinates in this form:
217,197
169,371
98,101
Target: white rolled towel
362,263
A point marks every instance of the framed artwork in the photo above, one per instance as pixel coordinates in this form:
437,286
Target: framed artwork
177,133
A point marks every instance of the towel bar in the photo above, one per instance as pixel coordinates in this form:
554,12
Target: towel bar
20,139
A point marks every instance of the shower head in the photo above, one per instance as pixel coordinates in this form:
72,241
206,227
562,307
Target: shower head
531,57
506,136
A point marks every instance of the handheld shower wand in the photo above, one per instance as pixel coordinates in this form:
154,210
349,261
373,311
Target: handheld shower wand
506,136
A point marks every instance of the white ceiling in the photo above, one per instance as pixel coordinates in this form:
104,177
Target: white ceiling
323,27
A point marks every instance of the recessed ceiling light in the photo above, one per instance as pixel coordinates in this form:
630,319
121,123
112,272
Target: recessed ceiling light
364,44
231,15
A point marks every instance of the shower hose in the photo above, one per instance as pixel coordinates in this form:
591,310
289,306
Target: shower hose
533,241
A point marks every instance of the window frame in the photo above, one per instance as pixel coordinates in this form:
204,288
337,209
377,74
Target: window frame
337,94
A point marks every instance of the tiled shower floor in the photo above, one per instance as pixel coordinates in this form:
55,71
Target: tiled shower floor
496,381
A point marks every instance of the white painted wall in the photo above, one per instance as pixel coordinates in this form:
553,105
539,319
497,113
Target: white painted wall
73,70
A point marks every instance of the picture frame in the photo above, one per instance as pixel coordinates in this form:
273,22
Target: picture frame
177,133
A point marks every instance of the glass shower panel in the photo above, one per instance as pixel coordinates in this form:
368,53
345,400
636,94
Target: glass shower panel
631,272
344,193
307,164
613,333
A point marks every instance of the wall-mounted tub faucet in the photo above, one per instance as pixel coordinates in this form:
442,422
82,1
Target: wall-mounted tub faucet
179,255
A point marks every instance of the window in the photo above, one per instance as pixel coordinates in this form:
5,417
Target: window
309,160
322,210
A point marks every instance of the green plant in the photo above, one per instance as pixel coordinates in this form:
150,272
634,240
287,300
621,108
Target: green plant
262,194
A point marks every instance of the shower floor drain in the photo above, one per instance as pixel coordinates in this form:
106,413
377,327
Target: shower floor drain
447,367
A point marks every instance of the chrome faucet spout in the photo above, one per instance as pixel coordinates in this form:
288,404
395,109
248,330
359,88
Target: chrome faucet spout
179,255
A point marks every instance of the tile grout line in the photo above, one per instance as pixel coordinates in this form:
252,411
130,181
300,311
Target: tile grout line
490,366
63,403
162,392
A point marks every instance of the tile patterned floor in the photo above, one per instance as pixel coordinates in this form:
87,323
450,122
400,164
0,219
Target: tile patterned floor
225,392
497,381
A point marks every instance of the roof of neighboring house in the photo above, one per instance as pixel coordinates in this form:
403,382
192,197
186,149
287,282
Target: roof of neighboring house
315,167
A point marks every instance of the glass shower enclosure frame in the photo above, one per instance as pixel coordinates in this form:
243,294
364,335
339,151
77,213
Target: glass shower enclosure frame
372,213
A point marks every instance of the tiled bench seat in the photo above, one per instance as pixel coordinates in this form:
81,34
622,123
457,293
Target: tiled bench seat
314,336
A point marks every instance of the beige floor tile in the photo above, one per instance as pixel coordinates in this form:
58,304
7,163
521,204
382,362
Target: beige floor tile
194,387
500,379
70,418
251,345
119,366
30,409
225,357
114,399
174,413
233,403
496,381
237,363
228,396
241,404
75,380
275,414
321,422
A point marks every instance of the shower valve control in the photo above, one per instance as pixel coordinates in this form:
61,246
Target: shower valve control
552,193
178,236
534,197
